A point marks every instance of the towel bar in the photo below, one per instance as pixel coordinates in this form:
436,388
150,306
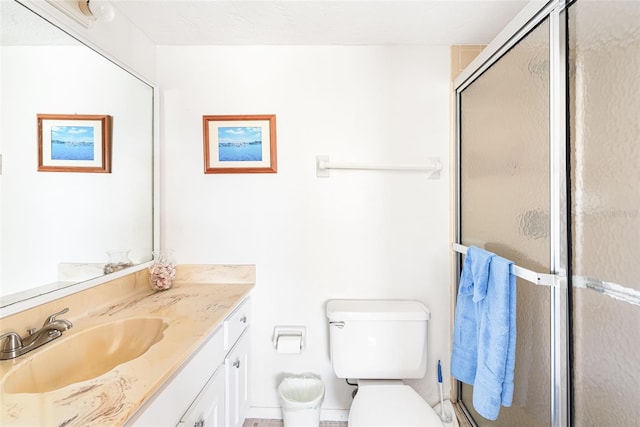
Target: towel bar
543,279
323,165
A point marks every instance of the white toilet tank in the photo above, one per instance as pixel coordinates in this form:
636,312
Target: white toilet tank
378,339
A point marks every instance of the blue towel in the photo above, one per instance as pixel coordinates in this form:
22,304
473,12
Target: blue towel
493,384
488,323
464,356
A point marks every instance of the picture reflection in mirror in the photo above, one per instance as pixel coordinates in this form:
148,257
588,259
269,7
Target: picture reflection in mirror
57,228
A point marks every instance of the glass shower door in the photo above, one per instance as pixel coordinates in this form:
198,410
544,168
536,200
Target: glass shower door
604,76
504,204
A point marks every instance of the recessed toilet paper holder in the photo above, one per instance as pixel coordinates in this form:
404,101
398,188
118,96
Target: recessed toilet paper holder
289,331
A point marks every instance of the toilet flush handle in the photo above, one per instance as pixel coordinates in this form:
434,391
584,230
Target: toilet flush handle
338,325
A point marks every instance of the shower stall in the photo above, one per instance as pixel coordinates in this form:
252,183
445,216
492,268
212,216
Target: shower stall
548,176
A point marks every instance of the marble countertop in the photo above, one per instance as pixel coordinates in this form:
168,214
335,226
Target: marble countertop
192,312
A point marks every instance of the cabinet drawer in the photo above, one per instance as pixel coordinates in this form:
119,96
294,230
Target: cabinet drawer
236,323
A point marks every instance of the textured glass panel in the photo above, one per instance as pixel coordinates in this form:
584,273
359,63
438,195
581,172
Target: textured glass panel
604,107
505,203
606,363
605,152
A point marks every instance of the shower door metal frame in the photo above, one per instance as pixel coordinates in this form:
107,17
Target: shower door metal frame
533,14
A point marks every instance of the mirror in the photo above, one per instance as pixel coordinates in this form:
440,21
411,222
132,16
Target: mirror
57,226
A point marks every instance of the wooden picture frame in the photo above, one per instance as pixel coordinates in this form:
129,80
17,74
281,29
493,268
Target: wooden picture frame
240,144
74,143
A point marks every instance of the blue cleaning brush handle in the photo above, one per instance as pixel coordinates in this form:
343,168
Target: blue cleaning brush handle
439,372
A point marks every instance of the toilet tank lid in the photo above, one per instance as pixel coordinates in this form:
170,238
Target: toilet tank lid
342,309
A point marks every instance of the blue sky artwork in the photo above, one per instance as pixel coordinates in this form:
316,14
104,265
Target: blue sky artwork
72,134
72,142
241,143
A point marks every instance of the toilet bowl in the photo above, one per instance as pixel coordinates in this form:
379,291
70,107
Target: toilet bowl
390,403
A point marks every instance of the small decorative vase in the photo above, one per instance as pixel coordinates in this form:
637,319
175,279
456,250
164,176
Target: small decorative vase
163,270
118,260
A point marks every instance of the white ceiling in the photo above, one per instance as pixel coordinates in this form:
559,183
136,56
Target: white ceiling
306,22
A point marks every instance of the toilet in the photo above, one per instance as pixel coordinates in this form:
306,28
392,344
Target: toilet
379,343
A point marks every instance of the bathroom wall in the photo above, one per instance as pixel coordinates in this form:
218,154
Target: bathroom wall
356,234
461,56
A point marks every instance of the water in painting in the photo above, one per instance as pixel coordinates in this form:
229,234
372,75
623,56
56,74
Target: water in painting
72,143
238,144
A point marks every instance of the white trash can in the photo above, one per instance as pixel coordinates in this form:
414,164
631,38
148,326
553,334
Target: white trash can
301,397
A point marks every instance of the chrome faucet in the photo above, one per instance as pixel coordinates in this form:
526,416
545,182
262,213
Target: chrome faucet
12,345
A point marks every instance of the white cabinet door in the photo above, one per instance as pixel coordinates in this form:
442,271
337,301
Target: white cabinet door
208,408
236,367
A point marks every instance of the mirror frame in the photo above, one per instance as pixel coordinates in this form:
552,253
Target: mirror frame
41,295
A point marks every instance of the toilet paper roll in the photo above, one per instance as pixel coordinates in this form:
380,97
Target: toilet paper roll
289,344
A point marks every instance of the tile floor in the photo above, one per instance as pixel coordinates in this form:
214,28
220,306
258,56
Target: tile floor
255,422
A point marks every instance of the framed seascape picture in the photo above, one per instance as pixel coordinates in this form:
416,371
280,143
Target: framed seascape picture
240,144
74,143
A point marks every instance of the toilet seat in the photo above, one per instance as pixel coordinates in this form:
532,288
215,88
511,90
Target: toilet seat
391,405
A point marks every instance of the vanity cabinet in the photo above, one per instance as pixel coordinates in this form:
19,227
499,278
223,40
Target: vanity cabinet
212,387
236,369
